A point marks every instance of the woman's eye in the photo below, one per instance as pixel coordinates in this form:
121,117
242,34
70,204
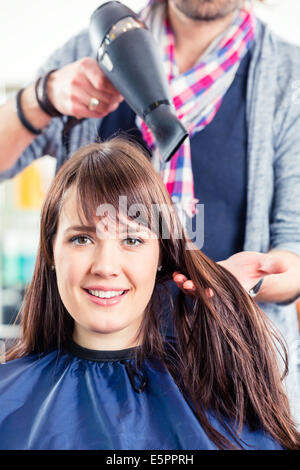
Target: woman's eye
80,240
132,241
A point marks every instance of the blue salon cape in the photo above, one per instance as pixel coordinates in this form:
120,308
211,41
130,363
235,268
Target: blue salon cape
97,400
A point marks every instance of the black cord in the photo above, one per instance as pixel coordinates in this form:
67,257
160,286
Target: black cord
40,102
41,93
22,117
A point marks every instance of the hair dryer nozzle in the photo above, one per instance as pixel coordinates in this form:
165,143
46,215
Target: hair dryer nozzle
168,130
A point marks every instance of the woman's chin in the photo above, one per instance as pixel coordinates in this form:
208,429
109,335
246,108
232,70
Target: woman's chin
107,327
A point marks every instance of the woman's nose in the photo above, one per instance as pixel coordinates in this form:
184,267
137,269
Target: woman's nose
106,259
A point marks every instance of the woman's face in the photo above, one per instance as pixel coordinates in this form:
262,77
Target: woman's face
105,282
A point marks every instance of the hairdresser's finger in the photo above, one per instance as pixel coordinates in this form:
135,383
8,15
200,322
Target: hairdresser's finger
183,283
70,90
97,77
90,84
209,292
179,278
85,90
81,111
80,106
189,286
272,265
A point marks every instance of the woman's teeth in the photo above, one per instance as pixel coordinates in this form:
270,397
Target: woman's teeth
107,294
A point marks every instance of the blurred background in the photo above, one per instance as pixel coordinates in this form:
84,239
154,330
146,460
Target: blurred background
29,33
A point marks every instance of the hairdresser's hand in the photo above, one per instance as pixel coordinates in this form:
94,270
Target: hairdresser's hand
249,267
71,88
186,285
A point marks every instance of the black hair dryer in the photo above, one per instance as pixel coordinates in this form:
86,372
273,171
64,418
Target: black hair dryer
127,55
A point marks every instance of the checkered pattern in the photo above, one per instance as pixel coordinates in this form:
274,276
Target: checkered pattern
197,93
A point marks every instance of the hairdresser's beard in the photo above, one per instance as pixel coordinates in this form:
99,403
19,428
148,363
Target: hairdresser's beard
207,10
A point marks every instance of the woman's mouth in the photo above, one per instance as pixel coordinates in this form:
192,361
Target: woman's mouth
106,297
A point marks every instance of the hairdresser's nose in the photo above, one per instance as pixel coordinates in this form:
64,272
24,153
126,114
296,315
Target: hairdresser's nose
106,259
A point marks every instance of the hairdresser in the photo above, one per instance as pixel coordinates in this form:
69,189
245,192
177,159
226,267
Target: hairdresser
244,148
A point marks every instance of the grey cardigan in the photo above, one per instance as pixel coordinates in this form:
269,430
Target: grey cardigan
273,194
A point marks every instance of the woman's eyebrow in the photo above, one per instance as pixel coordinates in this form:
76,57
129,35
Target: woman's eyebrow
123,230
81,228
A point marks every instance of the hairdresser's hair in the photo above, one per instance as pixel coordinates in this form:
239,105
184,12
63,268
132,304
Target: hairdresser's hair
224,359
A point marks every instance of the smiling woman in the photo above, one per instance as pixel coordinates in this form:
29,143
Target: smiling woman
95,271
94,368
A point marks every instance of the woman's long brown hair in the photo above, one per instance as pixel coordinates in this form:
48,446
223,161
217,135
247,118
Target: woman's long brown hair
224,360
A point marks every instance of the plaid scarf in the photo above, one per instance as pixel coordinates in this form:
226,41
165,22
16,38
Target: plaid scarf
197,93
